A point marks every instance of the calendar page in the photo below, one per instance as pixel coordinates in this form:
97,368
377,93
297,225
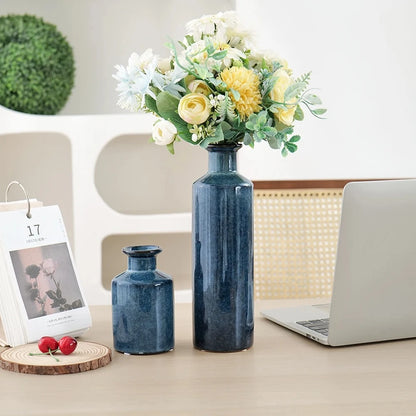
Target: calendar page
41,273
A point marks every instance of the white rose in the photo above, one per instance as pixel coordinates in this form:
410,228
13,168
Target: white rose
164,65
48,266
164,132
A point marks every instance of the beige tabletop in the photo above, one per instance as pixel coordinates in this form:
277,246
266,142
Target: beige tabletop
283,374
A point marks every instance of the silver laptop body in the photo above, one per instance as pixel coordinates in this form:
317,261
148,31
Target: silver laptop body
374,292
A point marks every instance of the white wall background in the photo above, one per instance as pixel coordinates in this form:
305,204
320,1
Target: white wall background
362,54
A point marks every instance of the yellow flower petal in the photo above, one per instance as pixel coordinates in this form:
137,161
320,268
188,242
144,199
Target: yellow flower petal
246,83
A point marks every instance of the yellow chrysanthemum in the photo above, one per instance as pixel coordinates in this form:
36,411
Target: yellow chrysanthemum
246,83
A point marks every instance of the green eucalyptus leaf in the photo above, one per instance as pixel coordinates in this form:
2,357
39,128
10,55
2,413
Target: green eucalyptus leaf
166,103
150,103
312,99
182,44
247,139
171,148
259,136
284,152
229,135
209,46
219,55
299,114
171,45
181,126
275,106
269,131
225,126
202,71
280,141
189,39
273,143
262,118
319,111
217,82
292,147
235,93
268,85
266,101
294,139
184,133
293,90
250,125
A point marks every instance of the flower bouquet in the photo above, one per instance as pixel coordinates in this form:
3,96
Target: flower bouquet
217,91
216,87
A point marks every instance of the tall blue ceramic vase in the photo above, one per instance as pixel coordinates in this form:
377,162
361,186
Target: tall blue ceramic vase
142,301
223,255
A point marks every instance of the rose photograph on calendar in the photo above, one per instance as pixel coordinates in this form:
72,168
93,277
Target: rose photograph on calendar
46,280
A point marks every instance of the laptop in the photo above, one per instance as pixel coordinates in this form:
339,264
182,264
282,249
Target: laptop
374,291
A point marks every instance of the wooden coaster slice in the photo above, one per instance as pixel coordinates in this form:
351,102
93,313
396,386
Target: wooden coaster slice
87,356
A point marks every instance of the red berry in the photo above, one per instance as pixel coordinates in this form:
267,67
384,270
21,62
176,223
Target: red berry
47,344
67,345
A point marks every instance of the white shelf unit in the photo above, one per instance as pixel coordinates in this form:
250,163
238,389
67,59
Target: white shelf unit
93,219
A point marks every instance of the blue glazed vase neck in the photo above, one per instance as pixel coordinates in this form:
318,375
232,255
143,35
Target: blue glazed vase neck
142,263
142,257
222,158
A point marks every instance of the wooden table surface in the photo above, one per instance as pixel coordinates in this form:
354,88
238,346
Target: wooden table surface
283,374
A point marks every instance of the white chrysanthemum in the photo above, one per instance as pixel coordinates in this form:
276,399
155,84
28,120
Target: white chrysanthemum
256,58
211,24
225,27
145,60
239,37
197,53
233,54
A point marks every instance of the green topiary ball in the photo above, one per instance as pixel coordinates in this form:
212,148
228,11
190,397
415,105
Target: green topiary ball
36,65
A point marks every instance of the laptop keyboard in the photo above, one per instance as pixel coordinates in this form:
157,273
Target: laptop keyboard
317,325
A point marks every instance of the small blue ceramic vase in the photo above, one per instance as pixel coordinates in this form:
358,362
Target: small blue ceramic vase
223,255
142,299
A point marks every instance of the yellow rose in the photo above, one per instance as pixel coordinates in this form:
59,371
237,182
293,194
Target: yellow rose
280,86
199,86
286,116
194,108
278,94
188,79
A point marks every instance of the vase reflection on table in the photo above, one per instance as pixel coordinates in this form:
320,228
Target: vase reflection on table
223,255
